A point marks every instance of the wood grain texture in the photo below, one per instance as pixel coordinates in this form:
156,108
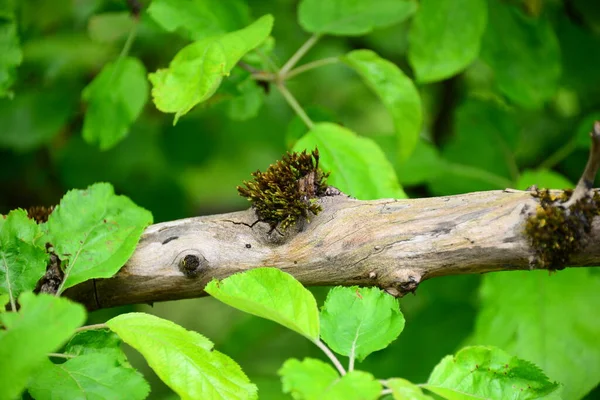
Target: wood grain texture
393,244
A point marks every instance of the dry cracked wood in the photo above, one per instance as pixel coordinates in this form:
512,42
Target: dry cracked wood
393,244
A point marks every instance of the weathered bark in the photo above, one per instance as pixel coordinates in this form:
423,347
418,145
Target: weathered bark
393,244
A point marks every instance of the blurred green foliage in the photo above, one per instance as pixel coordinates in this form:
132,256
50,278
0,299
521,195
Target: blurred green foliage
508,91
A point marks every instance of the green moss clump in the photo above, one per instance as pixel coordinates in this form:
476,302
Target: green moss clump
287,190
556,232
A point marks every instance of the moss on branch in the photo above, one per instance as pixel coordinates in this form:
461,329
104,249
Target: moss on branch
287,190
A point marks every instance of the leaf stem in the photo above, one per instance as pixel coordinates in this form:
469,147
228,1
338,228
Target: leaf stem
331,356
91,327
312,65
386,391
294,104
298,55
61,355
559,155
351,362
126,47
13,303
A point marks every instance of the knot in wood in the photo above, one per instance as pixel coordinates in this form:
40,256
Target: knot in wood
404,283
191,265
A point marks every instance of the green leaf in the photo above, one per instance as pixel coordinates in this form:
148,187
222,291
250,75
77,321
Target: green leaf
110,26
312,379
355,385
396,91
197,70
116,98
272,294
352,17
183,359
405,390
307,379
12,56
424,164
529,315
35,116
94,232
4,300
67,55
524,54
97,376
490,373
198,19
247,102
358,166
543,178
92,341
480,154
42,325
297,128
22,260
445,37
358,321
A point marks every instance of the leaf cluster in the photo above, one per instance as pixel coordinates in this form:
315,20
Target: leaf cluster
355,322
288,189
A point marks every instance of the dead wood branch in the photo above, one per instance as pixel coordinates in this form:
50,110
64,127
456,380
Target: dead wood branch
393,244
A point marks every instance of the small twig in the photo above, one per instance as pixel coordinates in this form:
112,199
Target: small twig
264,76
586,182
135,7
295,105
298,55
386,391
91,327
331,356
248,67
312,65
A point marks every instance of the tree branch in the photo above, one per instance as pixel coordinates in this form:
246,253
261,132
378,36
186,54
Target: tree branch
393,244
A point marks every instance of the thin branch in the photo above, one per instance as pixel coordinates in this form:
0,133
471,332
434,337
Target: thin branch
248,67
294,104
264,76
311,65
586,182
386,391
332,357
298,55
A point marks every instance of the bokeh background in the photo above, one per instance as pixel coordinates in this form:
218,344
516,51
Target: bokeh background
479,133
